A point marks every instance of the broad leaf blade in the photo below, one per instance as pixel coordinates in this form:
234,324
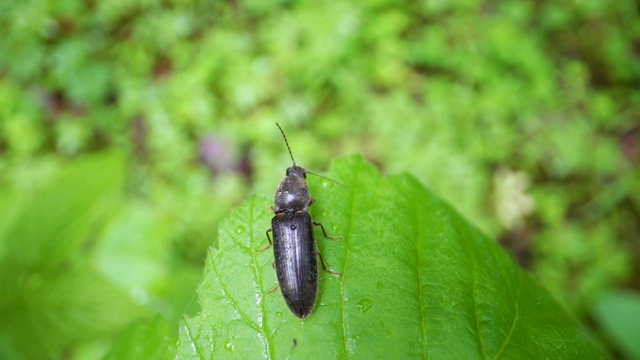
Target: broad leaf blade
418,281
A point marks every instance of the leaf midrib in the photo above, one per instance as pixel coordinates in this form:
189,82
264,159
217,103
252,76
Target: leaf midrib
467,245
344,266
419,249
516,317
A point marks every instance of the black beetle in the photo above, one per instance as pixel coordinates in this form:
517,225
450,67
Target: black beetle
294,245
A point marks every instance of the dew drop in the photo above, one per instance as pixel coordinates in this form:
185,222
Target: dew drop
240,229
279,314
229,346
364,305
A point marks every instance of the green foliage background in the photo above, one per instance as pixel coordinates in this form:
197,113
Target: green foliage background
523,115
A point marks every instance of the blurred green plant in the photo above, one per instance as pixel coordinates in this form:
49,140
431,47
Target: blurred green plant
619,315
52,296
148,339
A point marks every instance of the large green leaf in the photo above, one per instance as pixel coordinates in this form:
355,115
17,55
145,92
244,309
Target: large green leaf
418,281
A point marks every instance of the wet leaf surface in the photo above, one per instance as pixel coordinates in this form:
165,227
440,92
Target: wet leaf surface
418,282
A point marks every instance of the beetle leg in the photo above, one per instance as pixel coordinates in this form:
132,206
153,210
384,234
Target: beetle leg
311,201
324,266
325,232
274,289
268,238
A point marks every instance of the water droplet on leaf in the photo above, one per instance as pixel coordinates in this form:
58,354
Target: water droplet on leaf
364,305
229,346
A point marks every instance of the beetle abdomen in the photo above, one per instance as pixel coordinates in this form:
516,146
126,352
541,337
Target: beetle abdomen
295,260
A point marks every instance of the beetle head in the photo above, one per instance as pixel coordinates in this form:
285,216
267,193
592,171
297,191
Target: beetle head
293,193
298,171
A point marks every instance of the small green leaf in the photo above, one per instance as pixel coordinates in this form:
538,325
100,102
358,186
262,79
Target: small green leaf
418,281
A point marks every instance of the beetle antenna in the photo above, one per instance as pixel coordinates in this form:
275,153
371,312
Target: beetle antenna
324,177
286,142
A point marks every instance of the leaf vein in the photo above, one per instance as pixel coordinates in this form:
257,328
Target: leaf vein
344,266
258,281
196,345
232,301
417,241
516,317
474,288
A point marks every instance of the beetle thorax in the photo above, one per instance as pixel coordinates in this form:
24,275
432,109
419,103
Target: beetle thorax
293,193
